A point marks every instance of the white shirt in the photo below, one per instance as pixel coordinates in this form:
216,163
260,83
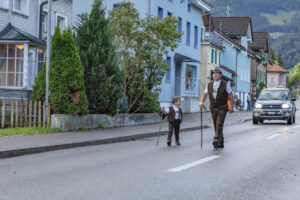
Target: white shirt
216,86
176,109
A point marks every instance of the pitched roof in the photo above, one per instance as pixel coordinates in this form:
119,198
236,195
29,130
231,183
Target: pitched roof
260,41
276,68
232,26
12,33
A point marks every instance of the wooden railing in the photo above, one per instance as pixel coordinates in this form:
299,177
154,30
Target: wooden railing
20,113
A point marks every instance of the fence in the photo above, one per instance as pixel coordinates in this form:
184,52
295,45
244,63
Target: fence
20,113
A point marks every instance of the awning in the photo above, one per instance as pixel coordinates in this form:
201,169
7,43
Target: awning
228,70
11,33
181,58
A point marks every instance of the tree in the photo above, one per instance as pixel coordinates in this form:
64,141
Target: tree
103,76
294,77
67,92
142,45
272,57
279,59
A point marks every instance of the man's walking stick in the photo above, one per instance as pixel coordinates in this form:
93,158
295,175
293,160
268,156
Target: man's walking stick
158,134
201,127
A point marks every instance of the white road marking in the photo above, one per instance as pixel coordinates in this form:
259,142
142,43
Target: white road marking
298,126
193,164
272,136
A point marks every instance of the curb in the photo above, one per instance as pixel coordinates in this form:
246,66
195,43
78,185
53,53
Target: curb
26,151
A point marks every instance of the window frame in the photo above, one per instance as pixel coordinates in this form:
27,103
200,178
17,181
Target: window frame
168,73
57,15
24,7
196,37
179,28
190,81
15,72
160,12
188,33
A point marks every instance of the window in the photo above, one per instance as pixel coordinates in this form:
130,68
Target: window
21,6
61,22
179,28
168,73
11,65
188,33
4,4
44,25
216,57
190,84
212,55
169,14
189,9
196,36
160,13
115,6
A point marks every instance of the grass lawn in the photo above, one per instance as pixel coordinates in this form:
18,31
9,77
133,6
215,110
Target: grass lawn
27,131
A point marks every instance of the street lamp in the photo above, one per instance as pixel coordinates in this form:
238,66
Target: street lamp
48,56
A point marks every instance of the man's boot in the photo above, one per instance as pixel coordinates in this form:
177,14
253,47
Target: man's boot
215,142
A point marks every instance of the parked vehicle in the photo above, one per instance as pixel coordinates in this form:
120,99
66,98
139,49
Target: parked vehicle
274,104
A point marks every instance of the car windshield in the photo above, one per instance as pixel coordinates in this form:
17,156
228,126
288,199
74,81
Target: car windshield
274,95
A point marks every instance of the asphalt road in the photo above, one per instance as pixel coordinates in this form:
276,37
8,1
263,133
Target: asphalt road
258,162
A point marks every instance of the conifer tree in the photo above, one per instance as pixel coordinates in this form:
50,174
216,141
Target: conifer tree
280,60
66,84
103,76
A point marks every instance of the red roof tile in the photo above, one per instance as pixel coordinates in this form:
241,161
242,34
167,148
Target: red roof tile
276,68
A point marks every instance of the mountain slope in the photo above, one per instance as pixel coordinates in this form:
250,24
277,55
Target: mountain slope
281,18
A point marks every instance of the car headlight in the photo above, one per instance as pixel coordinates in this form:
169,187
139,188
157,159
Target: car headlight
285,105
258,105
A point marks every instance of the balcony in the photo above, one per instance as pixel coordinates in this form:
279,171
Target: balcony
212,38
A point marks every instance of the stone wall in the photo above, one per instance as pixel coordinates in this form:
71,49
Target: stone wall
73,122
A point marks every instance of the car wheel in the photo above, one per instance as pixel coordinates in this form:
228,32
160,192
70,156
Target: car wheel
290,120
261,121
255,121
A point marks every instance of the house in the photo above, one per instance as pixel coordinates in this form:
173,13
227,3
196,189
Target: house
22,44
237,33
184,63
260,47
276,76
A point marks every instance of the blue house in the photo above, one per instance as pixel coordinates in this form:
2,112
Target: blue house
237,34
183,78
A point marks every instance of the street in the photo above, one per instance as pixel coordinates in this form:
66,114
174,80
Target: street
258,162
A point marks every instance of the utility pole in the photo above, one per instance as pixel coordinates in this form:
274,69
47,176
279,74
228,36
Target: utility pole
48,54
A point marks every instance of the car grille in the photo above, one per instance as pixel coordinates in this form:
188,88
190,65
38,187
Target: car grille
271,106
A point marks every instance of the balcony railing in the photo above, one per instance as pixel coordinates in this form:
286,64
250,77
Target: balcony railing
213,38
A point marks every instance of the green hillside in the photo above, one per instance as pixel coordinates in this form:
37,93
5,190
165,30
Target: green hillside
281,18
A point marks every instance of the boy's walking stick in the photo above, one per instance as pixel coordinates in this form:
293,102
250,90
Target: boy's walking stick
201,127
158,134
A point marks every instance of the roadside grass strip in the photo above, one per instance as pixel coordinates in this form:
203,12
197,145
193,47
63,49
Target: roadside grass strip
193,164
27,131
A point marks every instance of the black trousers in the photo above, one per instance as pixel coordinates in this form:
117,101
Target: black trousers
218,116
176,126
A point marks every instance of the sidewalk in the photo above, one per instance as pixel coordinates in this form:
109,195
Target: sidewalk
20,145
